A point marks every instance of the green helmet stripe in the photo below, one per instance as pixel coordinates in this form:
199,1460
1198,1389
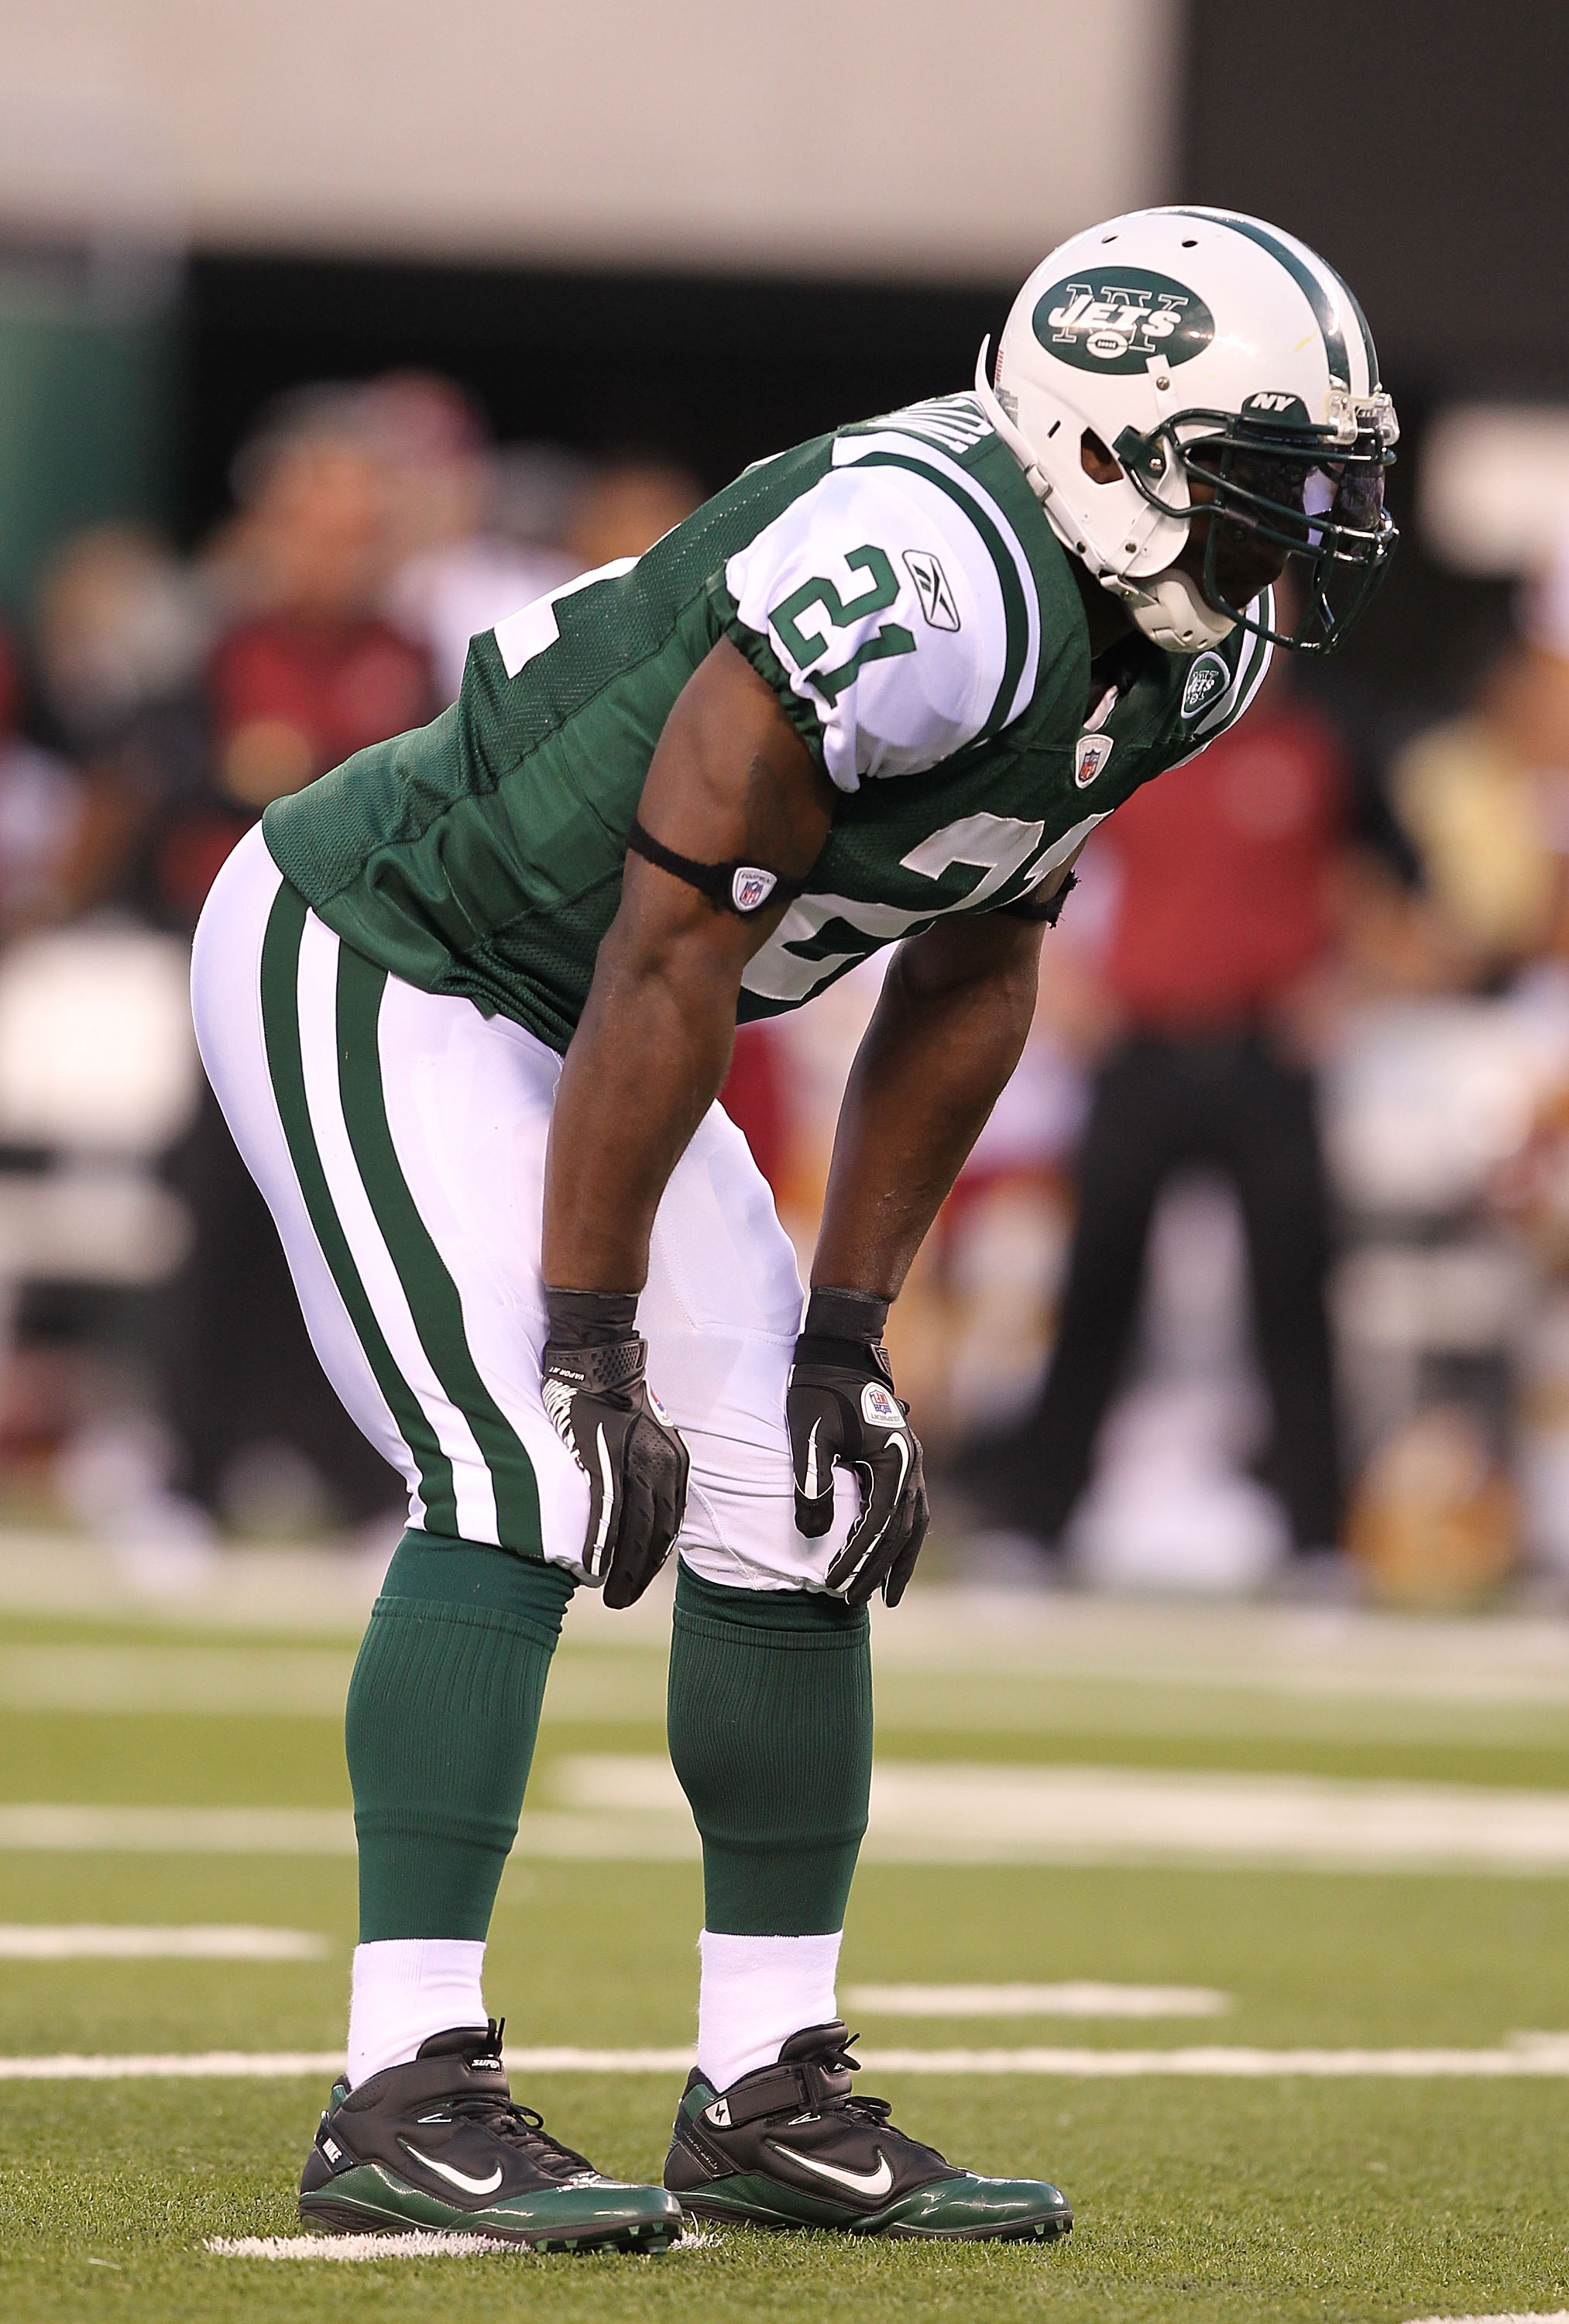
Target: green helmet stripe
1367,339
1307,282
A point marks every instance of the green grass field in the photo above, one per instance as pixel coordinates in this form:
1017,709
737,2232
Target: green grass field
1206,2196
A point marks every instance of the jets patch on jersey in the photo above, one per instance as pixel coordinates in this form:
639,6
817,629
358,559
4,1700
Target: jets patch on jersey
887,610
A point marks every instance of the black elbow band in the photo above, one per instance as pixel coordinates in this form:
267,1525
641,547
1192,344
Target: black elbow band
733,887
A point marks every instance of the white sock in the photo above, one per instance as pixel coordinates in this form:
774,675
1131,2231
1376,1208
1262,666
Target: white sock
756,1992
406,1988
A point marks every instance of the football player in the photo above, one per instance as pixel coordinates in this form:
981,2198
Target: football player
468,1002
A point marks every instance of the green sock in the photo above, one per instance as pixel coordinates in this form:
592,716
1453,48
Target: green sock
770,1722
443,1709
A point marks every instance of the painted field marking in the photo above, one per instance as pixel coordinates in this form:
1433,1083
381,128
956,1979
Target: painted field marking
89,1940
1523,2056
1514,2316
180,1831
194,2065
227,1682
419,2244
628,1807
956,1813
1076,1999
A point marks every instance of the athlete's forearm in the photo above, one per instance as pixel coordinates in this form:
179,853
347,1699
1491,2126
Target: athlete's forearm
730,780
935,1058
644,1066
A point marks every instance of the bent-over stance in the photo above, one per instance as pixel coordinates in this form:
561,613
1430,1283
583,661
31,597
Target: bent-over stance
467,1003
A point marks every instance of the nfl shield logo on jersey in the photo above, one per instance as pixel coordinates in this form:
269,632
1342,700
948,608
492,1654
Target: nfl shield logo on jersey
750,888
1090,754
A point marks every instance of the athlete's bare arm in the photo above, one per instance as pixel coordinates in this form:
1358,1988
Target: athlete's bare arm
948,1031
730,778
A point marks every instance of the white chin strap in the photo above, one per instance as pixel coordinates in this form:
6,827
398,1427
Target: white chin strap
1167,608
1170,611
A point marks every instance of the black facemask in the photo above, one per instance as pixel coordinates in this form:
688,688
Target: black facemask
1263,502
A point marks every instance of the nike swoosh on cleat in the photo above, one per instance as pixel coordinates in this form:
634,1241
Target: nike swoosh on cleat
859,2182
458,2178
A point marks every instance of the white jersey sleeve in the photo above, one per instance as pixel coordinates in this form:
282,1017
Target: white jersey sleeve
877,607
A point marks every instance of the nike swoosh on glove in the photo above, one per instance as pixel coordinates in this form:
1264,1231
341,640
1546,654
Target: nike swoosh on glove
842,1412
593,1384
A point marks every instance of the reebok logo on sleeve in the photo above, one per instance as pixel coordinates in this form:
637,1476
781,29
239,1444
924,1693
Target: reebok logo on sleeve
937,603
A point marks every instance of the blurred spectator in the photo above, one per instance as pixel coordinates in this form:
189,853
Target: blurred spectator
290,690
627,508
119,629
535,492
753,1096
1221,922
314,672
40,812
119,632
452,573
1484,799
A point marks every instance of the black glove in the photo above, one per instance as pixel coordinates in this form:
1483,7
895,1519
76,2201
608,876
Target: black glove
619,1435
842,1410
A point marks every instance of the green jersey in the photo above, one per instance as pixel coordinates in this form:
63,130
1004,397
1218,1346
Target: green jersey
898,586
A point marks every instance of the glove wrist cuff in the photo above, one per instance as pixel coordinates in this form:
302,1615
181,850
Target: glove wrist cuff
832,1314
590,1319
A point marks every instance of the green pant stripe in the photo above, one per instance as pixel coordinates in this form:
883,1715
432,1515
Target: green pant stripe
432,1297
281,1026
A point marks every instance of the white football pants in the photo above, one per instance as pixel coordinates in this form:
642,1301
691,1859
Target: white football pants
399,1137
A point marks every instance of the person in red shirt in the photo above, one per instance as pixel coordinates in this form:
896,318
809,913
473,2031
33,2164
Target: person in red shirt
1223,873
309,675
313,673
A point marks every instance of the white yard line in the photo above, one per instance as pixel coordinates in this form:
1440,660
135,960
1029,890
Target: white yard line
194,2065
1525,2056
1514,2316
91,1940
628,1807
179,1831
953,1813
352,2247
225,1682
1545,2057
64,1827
1079,1998
420,2245
622,1687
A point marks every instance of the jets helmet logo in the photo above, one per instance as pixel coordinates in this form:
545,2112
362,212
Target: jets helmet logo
750,888
1117,321
932,587
1090,753
1206,682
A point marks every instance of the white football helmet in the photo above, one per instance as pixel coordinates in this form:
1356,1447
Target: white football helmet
1202,348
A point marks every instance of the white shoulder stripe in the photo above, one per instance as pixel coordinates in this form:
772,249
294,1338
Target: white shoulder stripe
1253,663
848,450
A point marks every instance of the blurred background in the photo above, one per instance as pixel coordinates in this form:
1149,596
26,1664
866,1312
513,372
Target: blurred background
331,334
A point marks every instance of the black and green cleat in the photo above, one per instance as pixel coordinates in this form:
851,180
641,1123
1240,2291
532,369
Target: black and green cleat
440,2144
789,2146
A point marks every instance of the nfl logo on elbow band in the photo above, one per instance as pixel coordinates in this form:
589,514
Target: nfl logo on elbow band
750,888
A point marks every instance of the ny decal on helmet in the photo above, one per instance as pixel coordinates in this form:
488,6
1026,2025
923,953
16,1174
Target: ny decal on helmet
1193,375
